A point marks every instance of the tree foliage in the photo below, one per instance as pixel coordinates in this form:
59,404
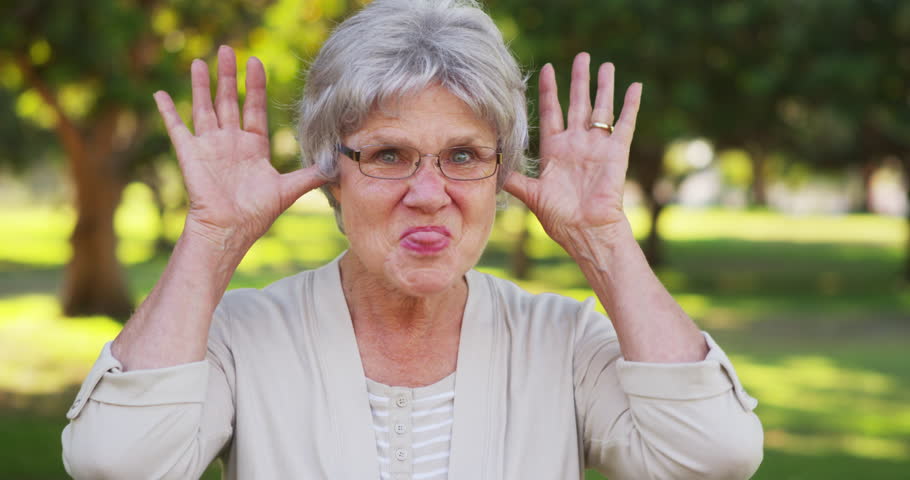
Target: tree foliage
78,78
824,83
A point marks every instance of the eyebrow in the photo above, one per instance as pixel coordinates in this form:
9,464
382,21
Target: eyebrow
393,139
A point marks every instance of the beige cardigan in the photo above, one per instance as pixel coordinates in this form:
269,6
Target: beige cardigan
541,393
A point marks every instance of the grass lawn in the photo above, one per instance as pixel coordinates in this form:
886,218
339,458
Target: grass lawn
811,309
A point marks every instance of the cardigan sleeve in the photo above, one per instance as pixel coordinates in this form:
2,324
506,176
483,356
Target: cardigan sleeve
154,423
658,420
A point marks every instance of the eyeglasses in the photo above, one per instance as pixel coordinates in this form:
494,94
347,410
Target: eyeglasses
394,162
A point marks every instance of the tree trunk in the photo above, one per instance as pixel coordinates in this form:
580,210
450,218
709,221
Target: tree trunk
869,168
653,248
648,164
94,282
521,263
759,181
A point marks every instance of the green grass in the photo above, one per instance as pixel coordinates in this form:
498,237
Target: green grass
812,310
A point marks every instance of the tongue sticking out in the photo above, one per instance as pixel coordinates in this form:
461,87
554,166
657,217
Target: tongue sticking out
425,242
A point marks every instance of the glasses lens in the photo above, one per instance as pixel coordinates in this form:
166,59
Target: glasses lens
468,163
388,161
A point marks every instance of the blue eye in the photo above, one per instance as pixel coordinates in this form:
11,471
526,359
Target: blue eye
462,156
387,156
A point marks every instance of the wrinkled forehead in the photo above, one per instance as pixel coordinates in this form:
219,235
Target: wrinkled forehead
430,117
396,102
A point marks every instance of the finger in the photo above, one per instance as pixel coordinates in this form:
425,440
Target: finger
580,92
204,119
226,96
550,110
625,127
295,184
255,117
520,186
603,102
176,130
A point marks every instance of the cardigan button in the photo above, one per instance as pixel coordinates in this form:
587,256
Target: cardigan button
401,428
401,454
402,401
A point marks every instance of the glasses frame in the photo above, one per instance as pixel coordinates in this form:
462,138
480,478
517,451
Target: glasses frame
355,156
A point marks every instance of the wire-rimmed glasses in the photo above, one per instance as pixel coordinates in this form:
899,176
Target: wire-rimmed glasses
395,162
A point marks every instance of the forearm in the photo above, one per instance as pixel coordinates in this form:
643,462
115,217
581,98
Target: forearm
171,326
650,324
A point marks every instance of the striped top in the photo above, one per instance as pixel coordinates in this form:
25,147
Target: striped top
413,429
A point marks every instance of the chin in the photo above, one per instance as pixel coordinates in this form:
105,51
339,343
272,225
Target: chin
423,276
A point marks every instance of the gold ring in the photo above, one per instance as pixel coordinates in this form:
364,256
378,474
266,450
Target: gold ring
605,126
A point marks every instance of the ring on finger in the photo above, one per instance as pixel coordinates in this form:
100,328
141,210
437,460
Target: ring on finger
605,126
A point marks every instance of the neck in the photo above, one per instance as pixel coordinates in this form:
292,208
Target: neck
394,322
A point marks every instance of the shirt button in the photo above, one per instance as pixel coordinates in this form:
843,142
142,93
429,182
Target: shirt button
400,428
402,401
401,455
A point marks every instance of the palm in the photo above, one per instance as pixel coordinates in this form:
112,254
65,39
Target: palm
582,182
230,182
583,169
235,193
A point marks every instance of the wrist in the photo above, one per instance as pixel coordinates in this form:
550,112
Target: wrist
198,252
227,240
599,243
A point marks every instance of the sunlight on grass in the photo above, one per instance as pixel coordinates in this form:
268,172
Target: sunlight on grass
826,444
36,236
295,239
137,224
690,224
42,351
856,411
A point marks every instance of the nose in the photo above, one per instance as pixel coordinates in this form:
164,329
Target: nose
427,187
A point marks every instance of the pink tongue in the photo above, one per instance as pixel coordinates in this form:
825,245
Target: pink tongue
426,238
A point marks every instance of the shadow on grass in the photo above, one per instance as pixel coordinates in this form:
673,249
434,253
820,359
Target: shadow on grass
23,278
30,430
779,465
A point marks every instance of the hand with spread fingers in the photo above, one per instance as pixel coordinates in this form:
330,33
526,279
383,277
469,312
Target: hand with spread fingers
578,200
235,194
583,166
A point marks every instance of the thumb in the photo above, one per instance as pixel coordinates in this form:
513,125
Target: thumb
295,184
520,186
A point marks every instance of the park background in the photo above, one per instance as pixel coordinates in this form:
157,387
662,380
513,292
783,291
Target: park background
768,186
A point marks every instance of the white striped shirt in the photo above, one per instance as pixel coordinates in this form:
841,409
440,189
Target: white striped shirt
413,429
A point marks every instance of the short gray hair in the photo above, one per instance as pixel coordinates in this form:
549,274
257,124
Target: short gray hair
395,47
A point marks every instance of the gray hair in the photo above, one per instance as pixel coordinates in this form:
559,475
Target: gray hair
395,47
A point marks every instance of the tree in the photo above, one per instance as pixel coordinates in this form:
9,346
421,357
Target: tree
86,72
819,82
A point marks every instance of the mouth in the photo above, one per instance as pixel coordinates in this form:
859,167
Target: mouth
426,240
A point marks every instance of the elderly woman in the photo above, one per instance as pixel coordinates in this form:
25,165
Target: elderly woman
397,360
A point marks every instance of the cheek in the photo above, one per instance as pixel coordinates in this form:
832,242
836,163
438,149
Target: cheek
479,209
366,207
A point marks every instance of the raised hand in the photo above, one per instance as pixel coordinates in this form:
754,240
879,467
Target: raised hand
235,194
583,168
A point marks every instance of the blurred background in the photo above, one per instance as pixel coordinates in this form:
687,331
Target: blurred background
768,186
